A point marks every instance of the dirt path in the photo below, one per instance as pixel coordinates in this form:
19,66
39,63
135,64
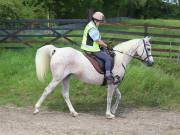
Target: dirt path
18,121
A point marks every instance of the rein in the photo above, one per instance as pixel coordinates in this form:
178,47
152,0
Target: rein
128,55
135,56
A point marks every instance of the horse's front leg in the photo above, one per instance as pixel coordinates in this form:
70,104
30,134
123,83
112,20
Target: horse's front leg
110,92
65,93
118,97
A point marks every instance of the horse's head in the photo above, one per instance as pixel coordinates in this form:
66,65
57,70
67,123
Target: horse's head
144,51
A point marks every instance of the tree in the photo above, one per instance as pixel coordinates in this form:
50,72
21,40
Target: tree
14,9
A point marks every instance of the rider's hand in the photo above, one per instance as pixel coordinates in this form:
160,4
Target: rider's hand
110,47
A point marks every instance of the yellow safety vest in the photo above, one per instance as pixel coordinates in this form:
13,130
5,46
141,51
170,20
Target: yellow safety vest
87,43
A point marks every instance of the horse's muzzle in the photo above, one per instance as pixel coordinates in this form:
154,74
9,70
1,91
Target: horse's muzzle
150,63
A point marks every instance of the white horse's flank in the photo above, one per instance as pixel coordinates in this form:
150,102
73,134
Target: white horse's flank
66,61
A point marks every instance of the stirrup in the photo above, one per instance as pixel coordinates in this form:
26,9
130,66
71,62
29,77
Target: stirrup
110,79
117,79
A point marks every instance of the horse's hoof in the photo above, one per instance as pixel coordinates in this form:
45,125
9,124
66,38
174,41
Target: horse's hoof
113,110
74,114
110,116
36,111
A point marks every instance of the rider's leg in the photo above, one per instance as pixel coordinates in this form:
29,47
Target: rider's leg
108,64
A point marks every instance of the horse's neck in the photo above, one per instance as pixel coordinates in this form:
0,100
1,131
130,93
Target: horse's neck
128,50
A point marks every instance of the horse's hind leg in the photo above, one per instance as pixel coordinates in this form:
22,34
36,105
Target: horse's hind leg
46,92
65,93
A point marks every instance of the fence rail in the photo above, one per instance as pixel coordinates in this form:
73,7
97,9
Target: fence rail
27,31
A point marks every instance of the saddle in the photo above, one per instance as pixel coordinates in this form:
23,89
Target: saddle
97,63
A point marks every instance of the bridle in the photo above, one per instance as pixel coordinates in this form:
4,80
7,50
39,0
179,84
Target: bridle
146,50
138,58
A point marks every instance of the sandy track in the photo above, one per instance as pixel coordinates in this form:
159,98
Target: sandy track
18,121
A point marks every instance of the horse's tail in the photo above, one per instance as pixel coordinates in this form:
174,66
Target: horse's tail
42,60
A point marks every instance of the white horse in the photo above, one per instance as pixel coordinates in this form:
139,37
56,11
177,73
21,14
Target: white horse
67,61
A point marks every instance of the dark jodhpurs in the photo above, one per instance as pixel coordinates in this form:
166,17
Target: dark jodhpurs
103,55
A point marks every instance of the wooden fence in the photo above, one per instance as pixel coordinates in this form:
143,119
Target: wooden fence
43,31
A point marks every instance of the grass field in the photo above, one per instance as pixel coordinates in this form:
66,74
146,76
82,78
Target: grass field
156,86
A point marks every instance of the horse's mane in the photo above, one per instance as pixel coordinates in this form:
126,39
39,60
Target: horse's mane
125,46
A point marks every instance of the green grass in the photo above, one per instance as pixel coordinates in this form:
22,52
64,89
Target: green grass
156,86
162,22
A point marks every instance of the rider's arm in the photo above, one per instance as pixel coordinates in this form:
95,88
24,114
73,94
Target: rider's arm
102,43
95,35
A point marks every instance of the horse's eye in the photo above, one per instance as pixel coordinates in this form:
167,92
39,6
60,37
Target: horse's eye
149,49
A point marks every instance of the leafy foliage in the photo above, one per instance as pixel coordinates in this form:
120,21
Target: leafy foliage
13,9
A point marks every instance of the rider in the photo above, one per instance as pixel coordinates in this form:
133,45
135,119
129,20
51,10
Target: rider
92,42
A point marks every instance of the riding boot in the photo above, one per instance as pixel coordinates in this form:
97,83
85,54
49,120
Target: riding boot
109,77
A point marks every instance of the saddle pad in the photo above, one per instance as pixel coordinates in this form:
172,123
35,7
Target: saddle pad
99,68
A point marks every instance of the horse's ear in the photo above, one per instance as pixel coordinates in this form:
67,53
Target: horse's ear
147,38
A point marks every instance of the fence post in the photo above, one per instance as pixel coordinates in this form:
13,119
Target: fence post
178,57
170,56
90,13
145,30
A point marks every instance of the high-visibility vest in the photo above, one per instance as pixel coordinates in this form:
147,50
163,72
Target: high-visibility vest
87,43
